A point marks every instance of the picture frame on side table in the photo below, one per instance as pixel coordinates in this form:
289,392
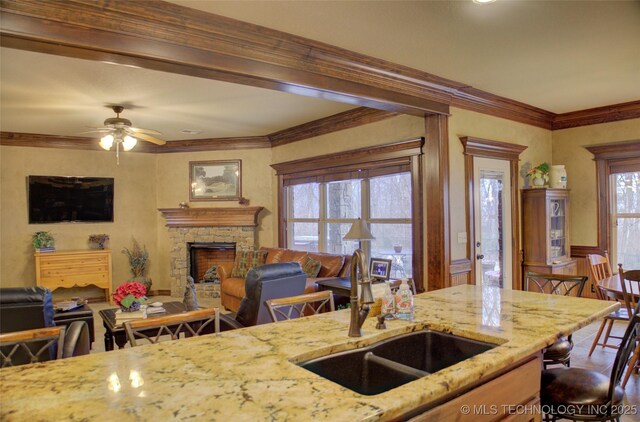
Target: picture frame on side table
380,268
219,180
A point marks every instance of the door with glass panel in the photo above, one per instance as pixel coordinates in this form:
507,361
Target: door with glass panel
492,209
625,213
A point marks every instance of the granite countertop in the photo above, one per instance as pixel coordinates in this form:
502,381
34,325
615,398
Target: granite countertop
250,374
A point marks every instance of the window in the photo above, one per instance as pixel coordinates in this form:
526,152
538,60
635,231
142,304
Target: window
617,170
320,197
625,219
320,214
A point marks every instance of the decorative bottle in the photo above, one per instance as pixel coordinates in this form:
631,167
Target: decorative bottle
558,177
404,302
388,302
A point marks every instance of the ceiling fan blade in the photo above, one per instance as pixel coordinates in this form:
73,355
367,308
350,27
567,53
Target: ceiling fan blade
140,130
99,130
149,138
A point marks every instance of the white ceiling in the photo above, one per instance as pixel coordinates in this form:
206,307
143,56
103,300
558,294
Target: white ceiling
559,56
72,95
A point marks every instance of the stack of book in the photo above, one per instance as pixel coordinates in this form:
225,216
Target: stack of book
128,316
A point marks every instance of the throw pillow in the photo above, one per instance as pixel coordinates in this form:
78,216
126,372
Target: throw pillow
274,255
331,264
312,267
245,260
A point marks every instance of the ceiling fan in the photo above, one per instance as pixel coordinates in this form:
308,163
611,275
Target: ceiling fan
119,131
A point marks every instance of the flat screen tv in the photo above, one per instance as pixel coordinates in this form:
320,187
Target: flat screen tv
56,199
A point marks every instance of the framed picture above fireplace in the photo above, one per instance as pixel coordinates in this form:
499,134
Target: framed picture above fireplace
215,180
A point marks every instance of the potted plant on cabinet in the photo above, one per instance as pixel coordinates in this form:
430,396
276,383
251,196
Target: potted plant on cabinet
539,175
43,241
138,259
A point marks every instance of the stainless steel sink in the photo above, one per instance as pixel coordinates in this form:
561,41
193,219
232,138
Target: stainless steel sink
396,361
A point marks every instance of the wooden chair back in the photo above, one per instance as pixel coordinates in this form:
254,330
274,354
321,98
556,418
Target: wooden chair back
600,268
633,277
565,285
193,323
35,344
299,306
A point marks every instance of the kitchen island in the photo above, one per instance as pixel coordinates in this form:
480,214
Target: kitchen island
251,374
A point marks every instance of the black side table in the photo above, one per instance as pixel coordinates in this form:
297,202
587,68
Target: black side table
84,313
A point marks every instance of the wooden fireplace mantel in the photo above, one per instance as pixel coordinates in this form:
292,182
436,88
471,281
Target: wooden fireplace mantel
211,217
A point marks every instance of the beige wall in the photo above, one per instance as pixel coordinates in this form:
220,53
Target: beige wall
173,188
134,213
145,182
568,149
469,123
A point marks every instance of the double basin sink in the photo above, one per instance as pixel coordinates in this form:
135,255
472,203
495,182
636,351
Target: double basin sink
395,361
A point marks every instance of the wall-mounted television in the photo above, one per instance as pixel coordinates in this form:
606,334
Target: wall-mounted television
57,199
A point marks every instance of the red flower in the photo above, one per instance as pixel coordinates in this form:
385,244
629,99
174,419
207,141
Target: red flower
134,288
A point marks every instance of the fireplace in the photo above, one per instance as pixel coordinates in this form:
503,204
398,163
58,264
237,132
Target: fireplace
205,255
192,228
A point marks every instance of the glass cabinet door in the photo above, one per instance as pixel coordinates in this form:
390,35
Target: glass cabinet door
557,229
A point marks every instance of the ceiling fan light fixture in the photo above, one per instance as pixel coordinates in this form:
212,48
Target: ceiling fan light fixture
106,142
129,142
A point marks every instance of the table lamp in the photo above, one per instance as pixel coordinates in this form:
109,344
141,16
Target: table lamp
359,231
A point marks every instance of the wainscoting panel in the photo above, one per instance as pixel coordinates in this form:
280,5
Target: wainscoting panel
460,272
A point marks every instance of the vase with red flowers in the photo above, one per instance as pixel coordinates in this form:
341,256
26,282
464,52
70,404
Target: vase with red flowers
130,296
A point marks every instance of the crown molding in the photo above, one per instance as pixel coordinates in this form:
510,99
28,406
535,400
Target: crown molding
345,120
214,144
593,116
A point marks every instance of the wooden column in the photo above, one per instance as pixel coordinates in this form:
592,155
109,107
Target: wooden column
438,251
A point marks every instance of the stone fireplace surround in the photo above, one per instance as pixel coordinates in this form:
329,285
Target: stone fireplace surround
190,225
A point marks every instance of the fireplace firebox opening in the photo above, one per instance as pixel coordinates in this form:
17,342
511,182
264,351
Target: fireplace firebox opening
205,257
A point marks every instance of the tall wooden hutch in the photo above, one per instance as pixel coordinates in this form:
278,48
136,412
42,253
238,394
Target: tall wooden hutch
545,232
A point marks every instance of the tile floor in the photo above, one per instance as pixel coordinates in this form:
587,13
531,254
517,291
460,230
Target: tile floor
601,359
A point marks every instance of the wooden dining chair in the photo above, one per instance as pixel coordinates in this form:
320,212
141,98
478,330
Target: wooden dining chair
623,314
299,306
633,279
559,353
36,344
600,268
193,323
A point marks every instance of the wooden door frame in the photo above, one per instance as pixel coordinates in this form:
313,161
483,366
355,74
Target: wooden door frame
478,147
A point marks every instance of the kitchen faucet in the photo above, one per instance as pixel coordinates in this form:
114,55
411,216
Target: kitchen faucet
359,312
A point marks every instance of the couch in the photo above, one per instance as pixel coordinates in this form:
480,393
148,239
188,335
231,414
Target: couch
232,289
265,282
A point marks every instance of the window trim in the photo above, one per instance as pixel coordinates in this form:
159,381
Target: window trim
610,158
398,155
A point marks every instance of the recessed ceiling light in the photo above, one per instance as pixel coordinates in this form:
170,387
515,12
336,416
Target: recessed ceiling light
190,131
483,1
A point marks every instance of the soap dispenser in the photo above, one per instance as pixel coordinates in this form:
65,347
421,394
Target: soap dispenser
404,302
388,302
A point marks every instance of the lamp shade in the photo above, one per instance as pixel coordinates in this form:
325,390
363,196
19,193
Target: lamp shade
359,231
106,142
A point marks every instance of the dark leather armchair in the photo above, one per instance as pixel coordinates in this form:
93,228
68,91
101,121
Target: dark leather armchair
264,282
27,308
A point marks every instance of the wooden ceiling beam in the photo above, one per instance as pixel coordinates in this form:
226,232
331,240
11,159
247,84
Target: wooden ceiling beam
163,36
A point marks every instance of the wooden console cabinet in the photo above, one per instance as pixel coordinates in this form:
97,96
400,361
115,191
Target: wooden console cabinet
74,269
